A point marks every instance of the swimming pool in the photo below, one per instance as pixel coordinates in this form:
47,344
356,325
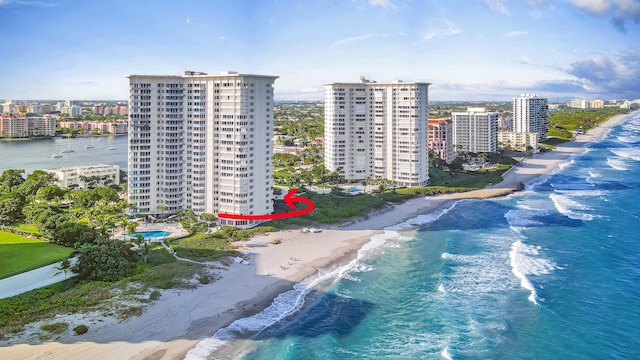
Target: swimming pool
355,190
151,234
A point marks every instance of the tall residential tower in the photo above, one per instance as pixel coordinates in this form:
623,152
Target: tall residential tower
530,115
378,130
201,142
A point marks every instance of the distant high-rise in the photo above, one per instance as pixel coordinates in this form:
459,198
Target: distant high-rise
201,142
530,115
475,130
378,130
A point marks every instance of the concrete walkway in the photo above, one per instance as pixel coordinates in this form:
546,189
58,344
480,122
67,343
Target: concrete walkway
33,279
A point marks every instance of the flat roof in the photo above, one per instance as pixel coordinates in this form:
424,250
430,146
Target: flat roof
195,74
373,83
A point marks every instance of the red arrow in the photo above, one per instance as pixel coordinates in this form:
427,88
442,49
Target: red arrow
288,199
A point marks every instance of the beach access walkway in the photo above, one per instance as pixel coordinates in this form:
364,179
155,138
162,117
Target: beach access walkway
34,279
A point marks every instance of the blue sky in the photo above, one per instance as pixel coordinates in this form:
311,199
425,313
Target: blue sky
468,49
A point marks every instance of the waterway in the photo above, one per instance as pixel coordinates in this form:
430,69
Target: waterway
37,154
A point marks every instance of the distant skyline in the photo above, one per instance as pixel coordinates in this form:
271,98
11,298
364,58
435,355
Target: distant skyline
467,49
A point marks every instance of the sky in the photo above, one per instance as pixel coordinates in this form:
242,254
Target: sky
467,49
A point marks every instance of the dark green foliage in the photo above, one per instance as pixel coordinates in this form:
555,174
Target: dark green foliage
11,210
35,181
45,216
70,233
10,180
105,260
80,329
155,295
89,197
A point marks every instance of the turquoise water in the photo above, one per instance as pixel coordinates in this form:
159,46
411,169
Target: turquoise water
151,234
552,272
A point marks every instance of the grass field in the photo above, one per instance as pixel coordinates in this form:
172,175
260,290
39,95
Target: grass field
19,254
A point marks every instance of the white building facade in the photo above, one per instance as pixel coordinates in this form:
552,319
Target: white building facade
201,142
378,130
475,130
88,176
530,114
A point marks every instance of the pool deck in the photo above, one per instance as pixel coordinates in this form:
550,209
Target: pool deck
174,228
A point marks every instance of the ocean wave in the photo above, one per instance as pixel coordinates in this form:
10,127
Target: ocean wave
421,219
617,164
627,153
523,217
570,208
525,261
477,274
630,139
445,353
292,301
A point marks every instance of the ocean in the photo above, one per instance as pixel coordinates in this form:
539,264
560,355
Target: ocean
552,272
37,154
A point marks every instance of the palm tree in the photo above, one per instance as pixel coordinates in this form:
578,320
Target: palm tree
161,208
64,268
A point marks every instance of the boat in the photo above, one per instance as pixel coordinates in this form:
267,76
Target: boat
90,144
57,154
111,148
68,149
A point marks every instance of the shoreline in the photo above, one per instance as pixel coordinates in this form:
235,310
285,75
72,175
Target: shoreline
180,319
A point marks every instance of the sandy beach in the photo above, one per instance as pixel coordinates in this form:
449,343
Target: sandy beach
175,323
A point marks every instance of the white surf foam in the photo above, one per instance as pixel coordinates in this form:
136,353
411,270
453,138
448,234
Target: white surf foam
422,219
290,302
525,261
594,174
617,164
482,273
523,217
631,139
570,208
445,353
627,153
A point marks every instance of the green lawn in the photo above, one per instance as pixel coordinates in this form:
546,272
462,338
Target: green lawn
19,254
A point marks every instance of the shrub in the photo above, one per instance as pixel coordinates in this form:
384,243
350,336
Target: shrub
155,295
80,329
55,328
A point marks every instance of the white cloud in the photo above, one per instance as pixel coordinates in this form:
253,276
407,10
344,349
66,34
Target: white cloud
619,10
498,5
596,7
352,39
387,4
448,28
517,33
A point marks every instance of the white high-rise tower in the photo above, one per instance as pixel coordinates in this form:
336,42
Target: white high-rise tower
378,130
530,115
201,142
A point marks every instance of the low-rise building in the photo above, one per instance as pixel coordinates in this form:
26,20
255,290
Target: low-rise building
87,176
511,140
24,127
